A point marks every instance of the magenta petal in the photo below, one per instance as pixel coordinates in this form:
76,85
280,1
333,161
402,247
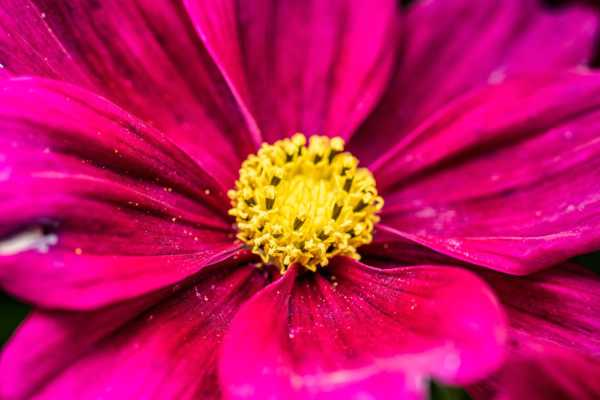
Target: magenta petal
143,55
314,66
390,251
362,329
65,280
167,352
556,375
554,315
96,205
490,40
31,357
546,373
560,305
504,178
29,48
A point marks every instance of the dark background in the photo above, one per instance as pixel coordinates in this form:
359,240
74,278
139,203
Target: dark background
12,312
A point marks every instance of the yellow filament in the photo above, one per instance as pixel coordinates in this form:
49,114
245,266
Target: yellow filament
305,204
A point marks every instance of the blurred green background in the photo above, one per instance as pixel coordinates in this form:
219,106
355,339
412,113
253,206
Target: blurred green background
12,314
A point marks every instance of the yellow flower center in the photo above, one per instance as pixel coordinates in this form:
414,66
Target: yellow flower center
305,204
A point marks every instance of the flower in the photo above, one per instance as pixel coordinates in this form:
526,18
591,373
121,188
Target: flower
124,124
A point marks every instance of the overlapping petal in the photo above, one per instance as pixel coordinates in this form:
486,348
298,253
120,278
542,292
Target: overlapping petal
549,373
168,351
504,178
310,66
48,341
389,250
143,55
542,372
554,319
364,330
96,205
559,306
451,46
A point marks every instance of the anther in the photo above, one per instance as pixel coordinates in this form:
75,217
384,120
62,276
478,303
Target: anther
348,184
337,209
360,206
298,223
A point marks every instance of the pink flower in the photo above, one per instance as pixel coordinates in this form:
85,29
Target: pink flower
123,124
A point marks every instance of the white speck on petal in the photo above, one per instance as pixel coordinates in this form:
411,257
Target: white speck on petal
451,362
32,239
5,173
427,212
497,76
453,243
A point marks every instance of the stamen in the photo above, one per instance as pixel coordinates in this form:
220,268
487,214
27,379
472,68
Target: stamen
298,203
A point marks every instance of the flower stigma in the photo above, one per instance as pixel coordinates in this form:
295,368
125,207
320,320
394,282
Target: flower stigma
304,203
